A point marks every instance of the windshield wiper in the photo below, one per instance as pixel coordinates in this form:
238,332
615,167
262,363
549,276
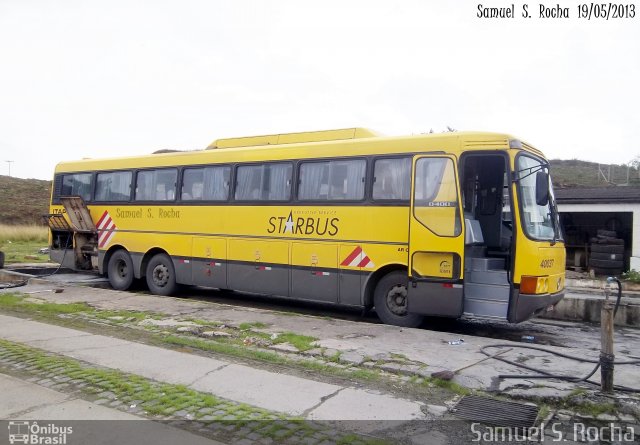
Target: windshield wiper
532,170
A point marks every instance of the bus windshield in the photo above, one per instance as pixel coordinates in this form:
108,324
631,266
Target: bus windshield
539,222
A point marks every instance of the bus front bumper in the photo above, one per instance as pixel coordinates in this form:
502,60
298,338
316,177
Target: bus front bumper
525,306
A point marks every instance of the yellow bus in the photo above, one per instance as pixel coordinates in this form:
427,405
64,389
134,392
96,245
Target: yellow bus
459,224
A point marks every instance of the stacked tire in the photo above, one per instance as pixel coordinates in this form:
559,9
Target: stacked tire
607,253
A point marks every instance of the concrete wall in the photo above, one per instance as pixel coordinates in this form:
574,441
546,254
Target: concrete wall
587,308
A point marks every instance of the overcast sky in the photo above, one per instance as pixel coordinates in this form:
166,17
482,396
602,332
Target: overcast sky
85,78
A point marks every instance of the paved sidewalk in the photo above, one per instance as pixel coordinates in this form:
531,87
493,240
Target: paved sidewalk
23,401
269,390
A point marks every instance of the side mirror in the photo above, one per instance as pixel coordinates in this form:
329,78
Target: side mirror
542,188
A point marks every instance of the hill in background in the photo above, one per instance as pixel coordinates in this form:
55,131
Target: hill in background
575,173
24,201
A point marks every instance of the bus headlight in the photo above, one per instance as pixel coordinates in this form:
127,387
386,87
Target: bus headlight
534,285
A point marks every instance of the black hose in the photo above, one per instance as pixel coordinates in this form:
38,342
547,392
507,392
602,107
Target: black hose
547,375
24,283
615,309
12,285
64,254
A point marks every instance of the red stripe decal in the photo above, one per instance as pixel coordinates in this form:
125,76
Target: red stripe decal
364,262
352,256
101,218
108,226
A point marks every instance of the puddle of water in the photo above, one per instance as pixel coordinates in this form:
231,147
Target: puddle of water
39,271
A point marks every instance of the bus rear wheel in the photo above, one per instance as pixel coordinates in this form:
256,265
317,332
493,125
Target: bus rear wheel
161,275
120,270
390,301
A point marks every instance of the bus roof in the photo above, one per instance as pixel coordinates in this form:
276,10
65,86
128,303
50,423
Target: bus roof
314,144
294,138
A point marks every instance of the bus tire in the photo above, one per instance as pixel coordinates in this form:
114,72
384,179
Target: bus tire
390,301
608,272
606,264
120,270
607,248
161,275
607,256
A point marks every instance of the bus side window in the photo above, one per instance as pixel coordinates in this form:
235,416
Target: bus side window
314,181
113,186
190,180
347,179
156,185
268,182
392,179
78,184
207,183
248,182
333,180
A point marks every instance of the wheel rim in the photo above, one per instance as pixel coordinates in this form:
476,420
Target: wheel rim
160,275
121,269
397,300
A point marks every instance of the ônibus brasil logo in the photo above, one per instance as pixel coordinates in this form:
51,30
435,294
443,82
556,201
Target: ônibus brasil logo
300,225
33,433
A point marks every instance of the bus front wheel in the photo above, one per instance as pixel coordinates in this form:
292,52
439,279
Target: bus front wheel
120,270
390,301
161,275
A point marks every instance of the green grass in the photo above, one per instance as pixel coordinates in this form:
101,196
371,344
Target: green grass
543,412
632,276
201,322
449,385
153,397
229,346
301,342
255,324
399,357
21,243
22,233
223,346
18,302
364,374
577,392
233,347
15,301
592,409
24,252
126,315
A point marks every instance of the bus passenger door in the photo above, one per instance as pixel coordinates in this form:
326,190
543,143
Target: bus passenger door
436,238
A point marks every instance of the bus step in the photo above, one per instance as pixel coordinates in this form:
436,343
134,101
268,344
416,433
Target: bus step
496,277
485,264
486,308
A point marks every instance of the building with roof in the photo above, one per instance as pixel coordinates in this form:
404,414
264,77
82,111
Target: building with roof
587,213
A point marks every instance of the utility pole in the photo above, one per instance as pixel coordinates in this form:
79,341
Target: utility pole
9,163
